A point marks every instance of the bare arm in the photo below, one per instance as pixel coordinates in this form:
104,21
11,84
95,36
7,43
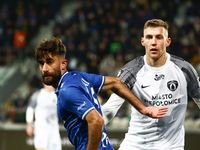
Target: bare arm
29,129
95,129
118,87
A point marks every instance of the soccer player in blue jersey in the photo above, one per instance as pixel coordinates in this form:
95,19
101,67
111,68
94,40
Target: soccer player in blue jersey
77,103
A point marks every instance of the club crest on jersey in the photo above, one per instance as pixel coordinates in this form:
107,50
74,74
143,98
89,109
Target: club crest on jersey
159,77
120,73
172,85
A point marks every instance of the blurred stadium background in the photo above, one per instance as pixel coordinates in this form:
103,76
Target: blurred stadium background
100,36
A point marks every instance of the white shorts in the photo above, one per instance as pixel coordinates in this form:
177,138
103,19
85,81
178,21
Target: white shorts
47,139
133,148
128,145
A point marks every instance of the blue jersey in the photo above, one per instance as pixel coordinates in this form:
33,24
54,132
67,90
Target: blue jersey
76,94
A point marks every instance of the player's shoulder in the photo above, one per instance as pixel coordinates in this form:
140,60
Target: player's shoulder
180,62
133,66
36,93
77,75
73,80
67,90
135,63
175,58
88,78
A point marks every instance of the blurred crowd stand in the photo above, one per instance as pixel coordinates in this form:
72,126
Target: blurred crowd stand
101,36
20,21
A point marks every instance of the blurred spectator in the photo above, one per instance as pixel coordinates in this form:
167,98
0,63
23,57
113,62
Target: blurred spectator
20,21
107,65
5,12
9,110
8,37
19,40
35,82
73,63
101,36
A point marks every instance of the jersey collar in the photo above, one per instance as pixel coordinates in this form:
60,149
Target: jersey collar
157,68
61,80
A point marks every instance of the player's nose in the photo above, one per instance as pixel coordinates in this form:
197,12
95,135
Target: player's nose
153,41
45,68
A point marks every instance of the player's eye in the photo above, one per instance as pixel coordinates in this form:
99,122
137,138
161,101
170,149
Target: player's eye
148,37
159,37
49,61
40,63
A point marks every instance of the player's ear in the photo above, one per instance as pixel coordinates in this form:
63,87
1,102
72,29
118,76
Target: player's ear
64,64
142,41
168,42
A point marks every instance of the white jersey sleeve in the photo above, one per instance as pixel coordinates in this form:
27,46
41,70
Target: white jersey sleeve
29,114
110,108
31,107
192,78
33,99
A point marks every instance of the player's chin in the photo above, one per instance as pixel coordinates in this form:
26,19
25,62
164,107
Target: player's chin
154,56
47,81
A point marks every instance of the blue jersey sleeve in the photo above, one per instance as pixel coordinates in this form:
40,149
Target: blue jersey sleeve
97,81
75,101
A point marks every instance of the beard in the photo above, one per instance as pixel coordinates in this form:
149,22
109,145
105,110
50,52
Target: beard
51,78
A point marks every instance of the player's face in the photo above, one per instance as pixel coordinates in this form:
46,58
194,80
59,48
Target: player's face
155,41
50,68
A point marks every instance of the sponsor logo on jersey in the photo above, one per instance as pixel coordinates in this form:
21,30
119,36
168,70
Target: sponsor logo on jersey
144,86
164,103
163,100
159,77
163,96
120,73
81,105
172,85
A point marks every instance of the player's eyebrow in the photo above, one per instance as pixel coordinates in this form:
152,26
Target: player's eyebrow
150,35
49,59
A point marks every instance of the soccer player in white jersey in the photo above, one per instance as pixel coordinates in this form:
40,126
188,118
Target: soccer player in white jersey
77,104
158,79
46,127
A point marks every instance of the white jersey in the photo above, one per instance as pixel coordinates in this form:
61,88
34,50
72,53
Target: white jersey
165,86
44,104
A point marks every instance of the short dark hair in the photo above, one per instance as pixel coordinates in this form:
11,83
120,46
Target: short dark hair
156,23
50,47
